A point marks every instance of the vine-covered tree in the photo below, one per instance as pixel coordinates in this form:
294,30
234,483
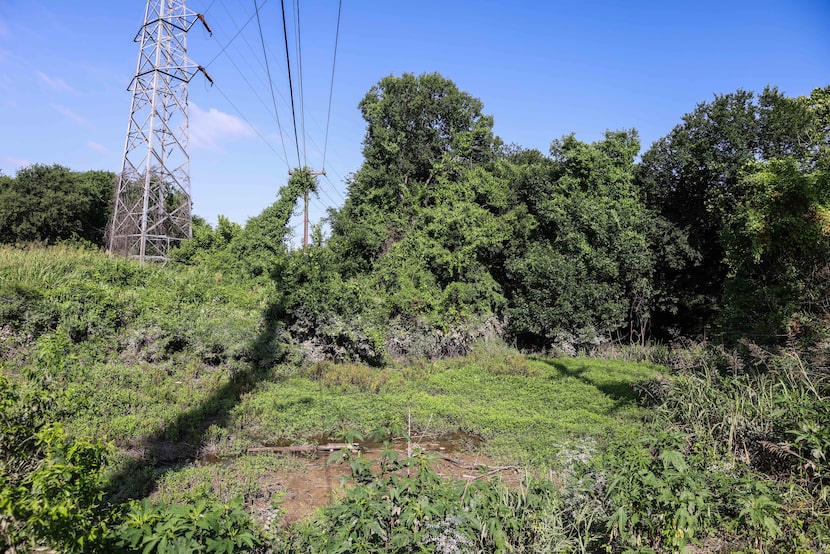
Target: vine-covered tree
417,129
692,177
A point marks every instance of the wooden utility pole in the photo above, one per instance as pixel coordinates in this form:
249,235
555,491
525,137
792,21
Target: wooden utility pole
305,207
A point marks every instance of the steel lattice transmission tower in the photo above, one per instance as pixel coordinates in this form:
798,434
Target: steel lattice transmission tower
152,201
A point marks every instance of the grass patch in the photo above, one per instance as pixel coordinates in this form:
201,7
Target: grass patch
523,418
223,480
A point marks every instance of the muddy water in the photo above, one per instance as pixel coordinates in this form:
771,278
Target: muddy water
449,443
318,483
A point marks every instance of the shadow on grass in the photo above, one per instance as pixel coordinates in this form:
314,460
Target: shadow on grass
178,443
621,392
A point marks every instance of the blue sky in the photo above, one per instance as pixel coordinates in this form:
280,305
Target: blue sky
542,69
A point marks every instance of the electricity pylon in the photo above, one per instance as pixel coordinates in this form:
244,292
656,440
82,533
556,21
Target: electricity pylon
152,207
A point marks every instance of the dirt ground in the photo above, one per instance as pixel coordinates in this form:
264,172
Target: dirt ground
318,483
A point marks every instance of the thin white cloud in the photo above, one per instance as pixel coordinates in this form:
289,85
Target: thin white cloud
211,129
16,163
54,83
100,148
7,85
4,30
79,119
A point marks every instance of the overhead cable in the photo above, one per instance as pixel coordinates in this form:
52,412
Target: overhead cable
299,41
290,84
331,87
271,83
239,32
251,125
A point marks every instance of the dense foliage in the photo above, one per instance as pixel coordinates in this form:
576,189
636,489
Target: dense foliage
116,377
51,203
698,178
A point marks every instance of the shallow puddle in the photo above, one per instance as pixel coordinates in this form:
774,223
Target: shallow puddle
318,483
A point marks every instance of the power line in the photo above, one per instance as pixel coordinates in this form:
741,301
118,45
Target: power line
251,48
271,84
290,84
334,188
244,75
209,7
251,86
331,88
323,151
300,77
285,159
323,188
327,195
279,94
239,32
251,125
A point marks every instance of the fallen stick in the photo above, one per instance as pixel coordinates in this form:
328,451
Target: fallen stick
490,473
454,462
331,447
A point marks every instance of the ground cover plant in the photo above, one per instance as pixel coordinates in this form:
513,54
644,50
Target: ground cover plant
579,426
671,396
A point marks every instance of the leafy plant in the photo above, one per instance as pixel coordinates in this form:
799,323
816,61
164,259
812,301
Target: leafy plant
51,486
210,527
404,506
658,497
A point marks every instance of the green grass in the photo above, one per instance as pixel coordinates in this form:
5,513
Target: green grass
150,352
523,418
169,364
224,481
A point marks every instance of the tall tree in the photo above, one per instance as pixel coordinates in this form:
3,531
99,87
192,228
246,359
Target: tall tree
692,175
51,203
417,128
585,270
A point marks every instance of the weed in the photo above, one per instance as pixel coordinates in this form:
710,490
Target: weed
404,506
200,527
362,377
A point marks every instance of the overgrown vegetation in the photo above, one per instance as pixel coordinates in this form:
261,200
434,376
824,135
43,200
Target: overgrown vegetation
122,385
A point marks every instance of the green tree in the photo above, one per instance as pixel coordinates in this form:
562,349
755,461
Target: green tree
777,244
585,269
51,203
418,128
692,177
415,122
417,230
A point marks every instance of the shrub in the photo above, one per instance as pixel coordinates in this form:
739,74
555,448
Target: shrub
50,486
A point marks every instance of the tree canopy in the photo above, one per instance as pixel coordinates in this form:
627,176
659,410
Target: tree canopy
51,203
446,234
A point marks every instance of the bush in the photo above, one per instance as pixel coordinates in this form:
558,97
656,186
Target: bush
50,486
